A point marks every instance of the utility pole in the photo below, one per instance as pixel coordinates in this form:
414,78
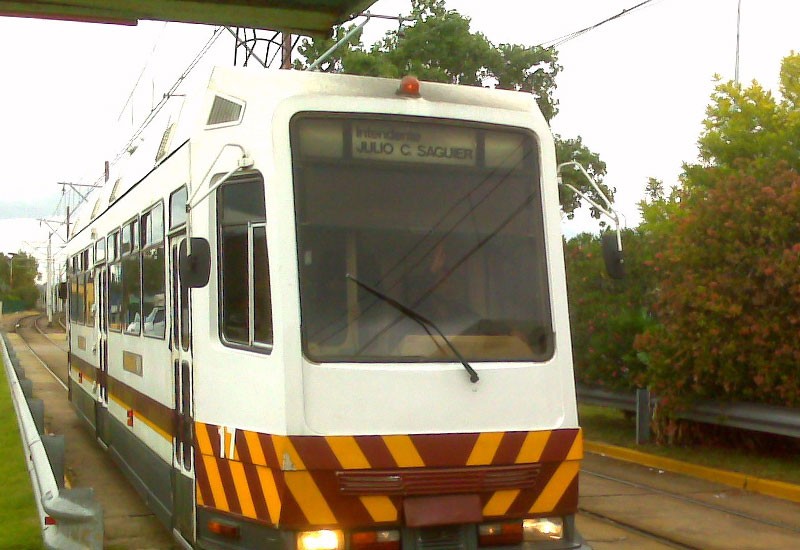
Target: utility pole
48,284
738,23
286,50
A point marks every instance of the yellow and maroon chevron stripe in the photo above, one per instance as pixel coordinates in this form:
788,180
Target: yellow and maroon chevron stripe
299,481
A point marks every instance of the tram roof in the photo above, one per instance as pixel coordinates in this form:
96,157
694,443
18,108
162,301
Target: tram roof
311,17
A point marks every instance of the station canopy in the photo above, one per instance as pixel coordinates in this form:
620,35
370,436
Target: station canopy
308,17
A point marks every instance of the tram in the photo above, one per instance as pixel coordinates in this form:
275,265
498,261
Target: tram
332,314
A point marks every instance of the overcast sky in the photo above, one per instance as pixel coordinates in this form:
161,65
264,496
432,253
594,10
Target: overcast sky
635,89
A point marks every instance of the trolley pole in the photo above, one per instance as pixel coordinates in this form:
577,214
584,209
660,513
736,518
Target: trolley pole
48,293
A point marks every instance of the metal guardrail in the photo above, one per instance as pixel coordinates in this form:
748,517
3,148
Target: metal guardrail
748,416
70,518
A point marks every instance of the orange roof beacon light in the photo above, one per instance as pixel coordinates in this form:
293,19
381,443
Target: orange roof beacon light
409,86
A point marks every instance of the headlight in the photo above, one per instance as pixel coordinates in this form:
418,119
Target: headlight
324,539
539,529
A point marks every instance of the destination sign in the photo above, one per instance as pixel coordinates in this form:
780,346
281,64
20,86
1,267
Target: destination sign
418,143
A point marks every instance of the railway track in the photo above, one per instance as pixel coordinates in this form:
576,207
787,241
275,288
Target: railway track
645,508
622,505
34,337
128,523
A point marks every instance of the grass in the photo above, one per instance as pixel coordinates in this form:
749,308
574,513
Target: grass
19,519
610,426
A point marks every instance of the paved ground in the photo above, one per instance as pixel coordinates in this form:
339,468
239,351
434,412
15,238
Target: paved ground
128,523
640,507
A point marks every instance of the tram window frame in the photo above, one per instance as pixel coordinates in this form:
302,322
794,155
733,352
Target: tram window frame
75,315
112,246
233,228
115,318
153,252
131,277
83,304
90,297
129,241
177,207
100,251
87,284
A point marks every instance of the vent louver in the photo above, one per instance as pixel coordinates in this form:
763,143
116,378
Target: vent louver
224,111
163,148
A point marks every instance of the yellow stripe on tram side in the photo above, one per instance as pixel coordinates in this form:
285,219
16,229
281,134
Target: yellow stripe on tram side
201,434
576,451
215,481
348,453
485,448
500,502
242,489
270,490
310,499
380,508
210,463
284,448
116,399
254,446
556,488
149,423
403,451
533,447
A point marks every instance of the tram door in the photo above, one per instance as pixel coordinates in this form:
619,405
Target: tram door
183,455
102,378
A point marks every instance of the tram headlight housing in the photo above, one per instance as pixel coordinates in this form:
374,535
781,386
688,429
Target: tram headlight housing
324,539
542,529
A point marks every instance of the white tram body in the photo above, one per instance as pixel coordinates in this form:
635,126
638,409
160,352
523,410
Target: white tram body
367,244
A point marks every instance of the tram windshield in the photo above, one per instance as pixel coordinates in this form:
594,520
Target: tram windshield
444,218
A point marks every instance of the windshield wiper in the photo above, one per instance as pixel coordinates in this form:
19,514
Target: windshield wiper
421,319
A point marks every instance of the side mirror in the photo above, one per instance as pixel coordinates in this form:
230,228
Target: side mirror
195,268
62,291
612,254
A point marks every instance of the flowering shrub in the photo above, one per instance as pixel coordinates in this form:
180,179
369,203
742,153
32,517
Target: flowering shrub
605,314
728,301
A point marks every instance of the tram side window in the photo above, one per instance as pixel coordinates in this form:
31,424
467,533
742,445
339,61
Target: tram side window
82,262
177,207
115,297
100,251
153,278
89,292
75,298
114,283
129,234
245,309
131,279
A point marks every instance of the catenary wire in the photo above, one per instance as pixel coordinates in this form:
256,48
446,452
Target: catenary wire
555,42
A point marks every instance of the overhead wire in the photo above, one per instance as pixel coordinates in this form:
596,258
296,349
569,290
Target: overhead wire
67,198
156,42
155,110
555,42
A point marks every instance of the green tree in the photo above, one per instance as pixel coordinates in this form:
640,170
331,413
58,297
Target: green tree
18,274
725,249
439,46
750,127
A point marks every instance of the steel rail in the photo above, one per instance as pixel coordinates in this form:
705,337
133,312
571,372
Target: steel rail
36,355
634,529
43,333
694,501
